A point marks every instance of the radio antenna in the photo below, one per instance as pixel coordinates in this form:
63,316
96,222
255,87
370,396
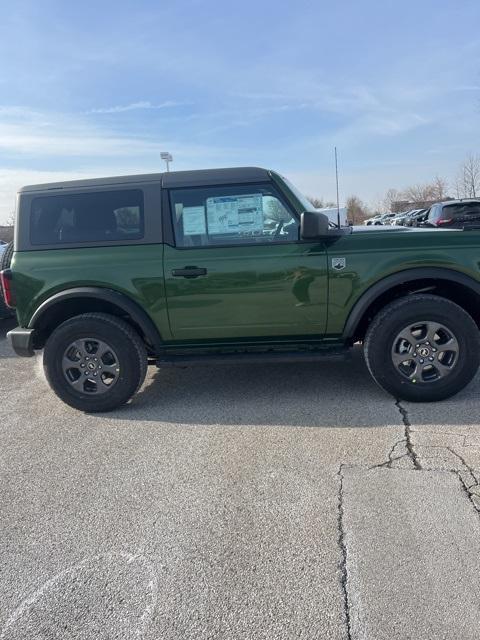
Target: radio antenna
336,179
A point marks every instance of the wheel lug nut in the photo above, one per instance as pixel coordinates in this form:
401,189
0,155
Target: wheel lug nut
83,365
86,373
415,355
434,350
94,374
427,342
431,359
421,360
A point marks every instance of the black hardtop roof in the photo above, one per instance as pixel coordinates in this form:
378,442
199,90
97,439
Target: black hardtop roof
198,177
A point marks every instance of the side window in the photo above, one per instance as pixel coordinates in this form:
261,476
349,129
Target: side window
231,215
101,216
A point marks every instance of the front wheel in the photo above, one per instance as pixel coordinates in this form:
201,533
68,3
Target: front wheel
95,362
422,348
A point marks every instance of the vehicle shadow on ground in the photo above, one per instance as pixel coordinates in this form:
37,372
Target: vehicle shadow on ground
322,394
5,325
308,394
340,394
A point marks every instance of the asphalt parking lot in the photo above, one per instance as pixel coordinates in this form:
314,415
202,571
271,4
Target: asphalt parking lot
276,501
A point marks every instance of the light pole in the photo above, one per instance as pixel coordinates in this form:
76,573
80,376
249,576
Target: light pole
165,155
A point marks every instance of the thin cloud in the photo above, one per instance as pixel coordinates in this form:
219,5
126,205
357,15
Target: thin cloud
133,106
36,136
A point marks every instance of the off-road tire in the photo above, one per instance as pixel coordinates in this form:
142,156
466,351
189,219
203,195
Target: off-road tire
6,257
397,315
123,339
5,260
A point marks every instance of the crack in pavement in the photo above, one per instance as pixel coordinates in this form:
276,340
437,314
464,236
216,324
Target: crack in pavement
343,561
408,436
466,474
407,451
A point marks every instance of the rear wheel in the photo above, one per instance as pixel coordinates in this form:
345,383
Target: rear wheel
95,362
422,348
6,257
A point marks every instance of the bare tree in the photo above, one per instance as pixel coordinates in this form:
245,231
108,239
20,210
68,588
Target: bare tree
357,212
427,192
416,195
458,186
440,186
317,202
320,203
468,179
11,220
392,195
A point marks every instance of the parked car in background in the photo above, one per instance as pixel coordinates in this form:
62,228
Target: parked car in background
455,214
399,218
387,218
374,220
413,216
381,218
404,219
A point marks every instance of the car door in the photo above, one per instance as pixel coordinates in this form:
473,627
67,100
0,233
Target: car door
235,267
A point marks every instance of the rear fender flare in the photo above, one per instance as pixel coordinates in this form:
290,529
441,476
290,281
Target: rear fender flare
120,300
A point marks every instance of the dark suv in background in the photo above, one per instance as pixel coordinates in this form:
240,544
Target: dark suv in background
456,214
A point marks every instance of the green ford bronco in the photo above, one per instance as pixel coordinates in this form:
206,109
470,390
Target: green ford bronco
229,265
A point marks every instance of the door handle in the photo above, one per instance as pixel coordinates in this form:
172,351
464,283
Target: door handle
189,272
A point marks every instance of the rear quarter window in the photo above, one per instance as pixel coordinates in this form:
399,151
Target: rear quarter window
97,217
461,210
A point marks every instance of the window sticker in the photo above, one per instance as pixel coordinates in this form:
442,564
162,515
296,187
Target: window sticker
194,221
235,214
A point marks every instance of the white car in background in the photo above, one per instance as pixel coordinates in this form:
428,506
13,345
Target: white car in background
333,214
373,220
384,218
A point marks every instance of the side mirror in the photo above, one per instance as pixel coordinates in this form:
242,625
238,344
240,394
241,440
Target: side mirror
313,225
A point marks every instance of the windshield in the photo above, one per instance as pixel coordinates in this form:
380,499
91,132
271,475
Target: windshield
306,204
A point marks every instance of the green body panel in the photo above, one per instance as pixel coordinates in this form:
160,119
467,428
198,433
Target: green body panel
248,292
136,271
375,254
268,293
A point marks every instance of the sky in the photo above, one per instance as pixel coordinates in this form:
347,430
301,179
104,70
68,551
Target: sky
91,89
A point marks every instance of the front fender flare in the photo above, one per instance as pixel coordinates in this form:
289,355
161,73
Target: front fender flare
402,277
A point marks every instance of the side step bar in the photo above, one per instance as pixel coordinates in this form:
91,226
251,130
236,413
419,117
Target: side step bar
253,357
